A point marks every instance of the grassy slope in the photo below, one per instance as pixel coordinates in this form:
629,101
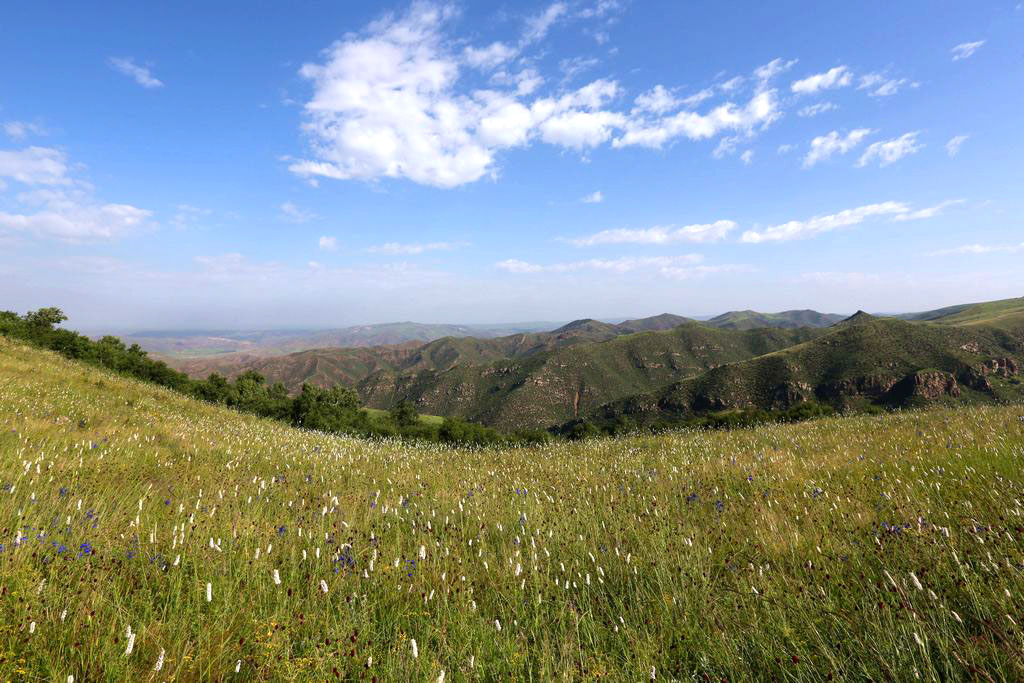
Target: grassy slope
769,554
874,349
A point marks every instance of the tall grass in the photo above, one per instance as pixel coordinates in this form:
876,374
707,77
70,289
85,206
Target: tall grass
887,548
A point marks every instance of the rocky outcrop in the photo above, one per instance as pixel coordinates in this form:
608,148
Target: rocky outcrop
869,386
925,384
978,376
790,394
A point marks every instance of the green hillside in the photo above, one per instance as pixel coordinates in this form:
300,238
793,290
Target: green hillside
749,320
148,536
861,361
547,388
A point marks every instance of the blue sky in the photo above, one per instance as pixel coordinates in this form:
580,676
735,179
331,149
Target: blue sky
242,165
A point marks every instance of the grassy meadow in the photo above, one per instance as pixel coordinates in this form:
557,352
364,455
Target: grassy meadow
147,536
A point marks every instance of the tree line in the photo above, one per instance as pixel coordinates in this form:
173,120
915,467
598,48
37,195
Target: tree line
336,409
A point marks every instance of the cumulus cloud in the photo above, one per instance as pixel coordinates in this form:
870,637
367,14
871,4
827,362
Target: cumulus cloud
965,50
747,157
73,216
657,100
836,77
140,74
328,243
489,57
890,151
410,249
795,230
593,198
35,166
824,146
56,205
390,103
697,233
953,146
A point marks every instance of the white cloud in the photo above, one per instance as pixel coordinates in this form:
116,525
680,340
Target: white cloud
883,86
890,151
981,249
762,109
732,84
390,103
35,166
538,26
328,243
73,216
785,149
698,97
953,146
574,66
410,249
824,146
815,109
767,72
928,212
141,74
794,230
698,233
293,214
965,50
836,77
747,157
657,100
19,130
593,198
489,57
619,265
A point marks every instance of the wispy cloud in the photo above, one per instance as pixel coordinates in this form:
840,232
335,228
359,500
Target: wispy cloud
965,50
815,109
891,151
593,198
697,234
19,130
140,74
980,249
824,146
328,243
293,214
797,229
412,249
954,144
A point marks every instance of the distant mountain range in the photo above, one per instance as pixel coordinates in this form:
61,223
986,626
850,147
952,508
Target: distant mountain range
667,368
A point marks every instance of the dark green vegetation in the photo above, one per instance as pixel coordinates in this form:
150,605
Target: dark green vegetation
669,370
335,409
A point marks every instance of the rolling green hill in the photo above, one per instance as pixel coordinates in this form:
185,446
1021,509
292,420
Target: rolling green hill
149,536
748,320
862,360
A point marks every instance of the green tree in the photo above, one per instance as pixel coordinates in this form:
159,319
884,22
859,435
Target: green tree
404,414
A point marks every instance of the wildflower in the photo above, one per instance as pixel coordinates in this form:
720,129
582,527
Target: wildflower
415,650
323,585
238,666
159,661
440,678
209,592
917,584
423,552
277,578
497,625
131,642
32,627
